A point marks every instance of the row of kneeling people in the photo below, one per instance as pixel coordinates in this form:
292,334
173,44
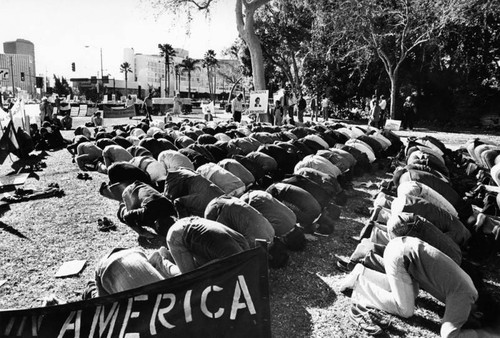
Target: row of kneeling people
213,197
425,232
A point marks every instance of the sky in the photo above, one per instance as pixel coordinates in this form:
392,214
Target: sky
60,30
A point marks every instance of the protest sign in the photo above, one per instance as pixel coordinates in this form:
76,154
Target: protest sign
227,298
208,109
392,124
114,112
83,110
74,111
258,102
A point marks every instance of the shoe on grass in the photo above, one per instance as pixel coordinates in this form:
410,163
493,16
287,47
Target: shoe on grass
351,279
344,265
363,320
379,317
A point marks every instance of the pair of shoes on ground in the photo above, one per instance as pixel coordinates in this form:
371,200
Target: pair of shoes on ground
83,176
105,225
344,265
370,320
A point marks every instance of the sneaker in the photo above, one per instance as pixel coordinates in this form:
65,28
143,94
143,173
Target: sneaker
351,279
379,317
90,290
364,321
344,265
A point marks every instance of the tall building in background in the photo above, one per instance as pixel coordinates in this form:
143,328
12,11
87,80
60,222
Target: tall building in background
17,65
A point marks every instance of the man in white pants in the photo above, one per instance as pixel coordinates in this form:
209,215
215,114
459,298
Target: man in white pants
411,263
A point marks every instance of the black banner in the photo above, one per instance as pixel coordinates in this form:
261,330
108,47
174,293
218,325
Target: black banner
117,112
228,298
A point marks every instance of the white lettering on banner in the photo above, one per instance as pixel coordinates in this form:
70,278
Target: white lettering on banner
241,285
36,322
164,311
211,302
103,322
21,327
69,325
130,314
9,326
187,306
203,304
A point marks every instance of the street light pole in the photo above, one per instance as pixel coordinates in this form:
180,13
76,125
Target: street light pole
102,69
101,65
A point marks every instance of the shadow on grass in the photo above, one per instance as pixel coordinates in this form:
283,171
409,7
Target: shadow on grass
292,297
430,305
429,324
12,231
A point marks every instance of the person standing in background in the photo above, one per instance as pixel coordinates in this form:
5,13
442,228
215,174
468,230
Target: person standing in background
177,105
408,113
314,108
325,105
301,105
383,111
374,112
278,114
237,107
45,110
148,106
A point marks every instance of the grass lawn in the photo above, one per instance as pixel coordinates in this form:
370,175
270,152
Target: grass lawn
305,301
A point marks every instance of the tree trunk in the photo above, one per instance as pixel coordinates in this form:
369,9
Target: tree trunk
246,30
215,86
394,89
189,84
167,82
209,83
126,78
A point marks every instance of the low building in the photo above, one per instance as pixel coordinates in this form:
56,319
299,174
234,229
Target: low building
148,71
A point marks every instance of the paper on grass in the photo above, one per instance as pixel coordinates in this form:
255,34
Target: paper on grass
70,268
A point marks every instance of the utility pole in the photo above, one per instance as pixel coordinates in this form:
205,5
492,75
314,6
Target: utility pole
31,83
102,81
12,75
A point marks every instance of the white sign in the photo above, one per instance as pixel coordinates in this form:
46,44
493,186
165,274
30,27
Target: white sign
258,102
83,110
74,111
392,124
4,74
208,108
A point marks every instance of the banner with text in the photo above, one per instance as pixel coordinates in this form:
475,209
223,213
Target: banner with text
117,112
228,298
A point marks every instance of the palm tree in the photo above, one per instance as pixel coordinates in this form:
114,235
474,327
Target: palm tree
188,65
126,68
168,52
210,63
177,70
